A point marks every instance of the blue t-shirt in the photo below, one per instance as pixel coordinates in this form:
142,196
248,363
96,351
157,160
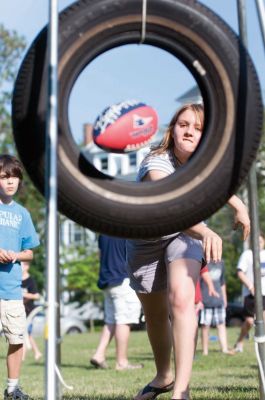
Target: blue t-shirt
17,233
112,261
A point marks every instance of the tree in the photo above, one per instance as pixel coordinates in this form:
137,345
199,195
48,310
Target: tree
221,222
81,274
12,47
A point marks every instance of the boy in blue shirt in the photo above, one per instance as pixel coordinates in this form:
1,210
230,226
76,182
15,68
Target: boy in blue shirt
17,238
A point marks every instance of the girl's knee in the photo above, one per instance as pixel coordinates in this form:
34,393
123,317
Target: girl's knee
181,302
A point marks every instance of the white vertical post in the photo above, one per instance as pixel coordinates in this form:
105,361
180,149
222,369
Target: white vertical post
51,201
261,14
254,216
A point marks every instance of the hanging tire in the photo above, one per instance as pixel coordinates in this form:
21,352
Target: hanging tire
231,94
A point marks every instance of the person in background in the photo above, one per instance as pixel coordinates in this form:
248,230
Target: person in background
204,275
17,238
214,308
164,271
121,304
245,274
30,293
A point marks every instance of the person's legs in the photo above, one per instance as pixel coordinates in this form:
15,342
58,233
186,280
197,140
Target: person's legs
220,320
126,311
24,352
122,333
155,306
35,348
14,359
13,318
105,338
222,335
107,333
182,278
245,328
249,312
205,339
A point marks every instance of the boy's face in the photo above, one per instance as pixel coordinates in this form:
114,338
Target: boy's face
8,186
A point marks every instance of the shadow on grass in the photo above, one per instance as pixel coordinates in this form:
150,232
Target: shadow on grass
81,366
236,392
241,376
98,397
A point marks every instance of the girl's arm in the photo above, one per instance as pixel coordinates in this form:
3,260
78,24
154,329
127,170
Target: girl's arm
212,243
241,216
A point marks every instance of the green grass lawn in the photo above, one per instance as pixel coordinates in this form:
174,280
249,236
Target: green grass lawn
215,376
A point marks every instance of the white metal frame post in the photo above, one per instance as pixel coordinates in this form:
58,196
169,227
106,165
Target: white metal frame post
254,215
51,201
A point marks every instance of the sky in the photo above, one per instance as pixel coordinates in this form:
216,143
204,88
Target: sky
118,75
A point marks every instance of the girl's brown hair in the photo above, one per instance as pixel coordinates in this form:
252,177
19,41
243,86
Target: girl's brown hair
168,141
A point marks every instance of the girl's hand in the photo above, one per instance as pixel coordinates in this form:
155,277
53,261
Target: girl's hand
212,245
241,216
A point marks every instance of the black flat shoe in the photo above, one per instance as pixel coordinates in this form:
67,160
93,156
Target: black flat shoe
155,391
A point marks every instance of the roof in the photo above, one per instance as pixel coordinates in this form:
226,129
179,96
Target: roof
193,95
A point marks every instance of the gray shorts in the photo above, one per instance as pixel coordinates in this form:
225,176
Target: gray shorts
147,260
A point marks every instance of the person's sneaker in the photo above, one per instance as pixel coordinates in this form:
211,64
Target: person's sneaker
238,348
17,394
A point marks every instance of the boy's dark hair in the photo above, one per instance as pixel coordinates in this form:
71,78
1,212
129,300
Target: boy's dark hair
11,166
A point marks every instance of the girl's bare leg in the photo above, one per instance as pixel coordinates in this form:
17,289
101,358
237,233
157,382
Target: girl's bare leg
182,278
155,306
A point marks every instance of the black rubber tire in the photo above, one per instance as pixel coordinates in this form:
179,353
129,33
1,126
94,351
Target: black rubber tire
231,94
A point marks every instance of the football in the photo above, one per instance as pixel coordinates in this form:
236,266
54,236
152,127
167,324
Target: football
125,127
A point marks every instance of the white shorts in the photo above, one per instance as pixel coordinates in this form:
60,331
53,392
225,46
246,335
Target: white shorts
121,304
13,319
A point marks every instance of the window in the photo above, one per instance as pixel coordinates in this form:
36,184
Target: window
104,163
132,158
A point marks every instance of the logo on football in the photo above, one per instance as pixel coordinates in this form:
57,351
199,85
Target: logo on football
126,126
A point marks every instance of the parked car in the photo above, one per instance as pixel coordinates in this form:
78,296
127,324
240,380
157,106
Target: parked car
73,319
68,324
85,312
234,314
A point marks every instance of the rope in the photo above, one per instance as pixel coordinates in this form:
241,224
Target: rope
30,318
61,379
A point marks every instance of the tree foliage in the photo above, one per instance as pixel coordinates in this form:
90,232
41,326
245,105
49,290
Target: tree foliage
81,274
222,222
12,47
